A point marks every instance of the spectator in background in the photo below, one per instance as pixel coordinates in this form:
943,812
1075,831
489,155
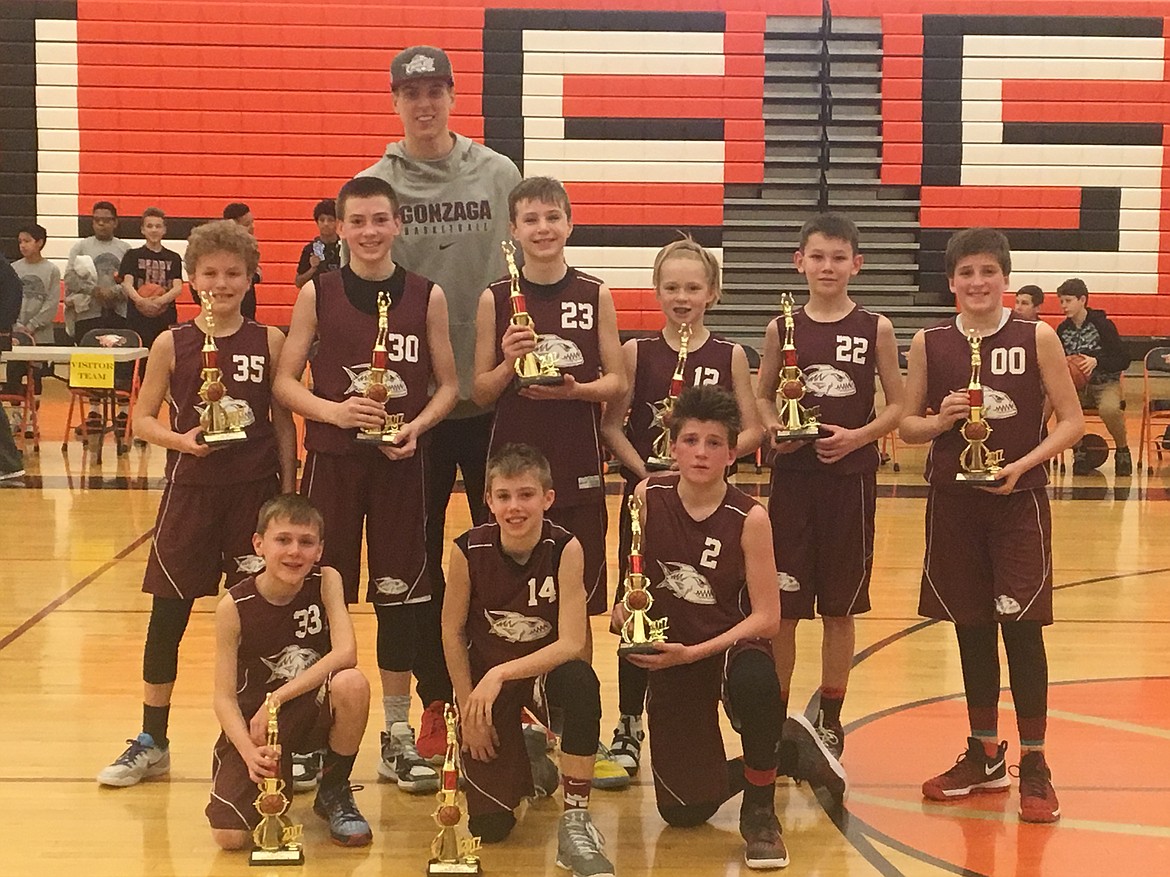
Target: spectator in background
41,280
323,253
152,263
11,462
1028,301
93,297
1091,338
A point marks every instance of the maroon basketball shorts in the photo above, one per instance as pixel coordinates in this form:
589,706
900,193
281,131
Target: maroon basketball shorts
822,530
501,784
304,727
204,531
988,557
682,716
588,523
386,496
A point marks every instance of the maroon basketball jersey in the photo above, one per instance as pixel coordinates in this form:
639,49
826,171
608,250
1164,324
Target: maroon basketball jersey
695,568
656,361
277,643
839,361
513,607
1013,395
567,431
341,367
247,371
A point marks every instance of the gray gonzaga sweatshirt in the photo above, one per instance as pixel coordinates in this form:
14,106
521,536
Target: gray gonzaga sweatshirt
454,216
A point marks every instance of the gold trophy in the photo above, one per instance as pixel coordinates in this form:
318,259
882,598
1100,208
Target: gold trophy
639,633
377,386
660,458
797,423
977,464
222,418
277,838
451,853
532,368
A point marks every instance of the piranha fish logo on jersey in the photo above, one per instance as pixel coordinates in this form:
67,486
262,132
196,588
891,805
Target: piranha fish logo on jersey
564,353
249,564
391,586
1005,605
686,583
825,380
998,405
290,663
516,628
359,381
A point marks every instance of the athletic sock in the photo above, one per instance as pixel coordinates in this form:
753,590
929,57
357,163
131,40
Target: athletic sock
576,792
396,708
832,699
735,777
335,769
154,722
759,788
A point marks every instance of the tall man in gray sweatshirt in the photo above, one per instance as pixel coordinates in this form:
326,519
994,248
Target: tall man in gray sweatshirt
453,194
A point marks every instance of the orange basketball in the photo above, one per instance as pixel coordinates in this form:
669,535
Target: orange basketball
449,815
272,805
1079,378
150,290
792,389
637,600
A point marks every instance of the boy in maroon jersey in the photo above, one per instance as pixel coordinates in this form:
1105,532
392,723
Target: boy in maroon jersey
988,565
286,633
575,324
209,506
823,492
378,486
686,284
709,563
514,627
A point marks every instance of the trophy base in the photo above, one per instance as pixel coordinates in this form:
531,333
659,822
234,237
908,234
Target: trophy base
804,434
469,865
637,649
979,478
282,856
215,439
659,464
541,380
376,438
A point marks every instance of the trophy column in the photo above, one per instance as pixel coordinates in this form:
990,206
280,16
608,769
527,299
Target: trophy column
377,387
531,369
220,425
451,853
797,423
977,464
660,458
639,633
277,837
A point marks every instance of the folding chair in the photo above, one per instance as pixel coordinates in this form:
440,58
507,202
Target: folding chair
108,399
1154,411
23,395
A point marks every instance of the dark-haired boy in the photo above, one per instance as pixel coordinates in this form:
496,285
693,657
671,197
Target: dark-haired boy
988,563
378,487
1029,298
285,634
323,253
514,633
823,498
41,283
152,263
93,297
1091,338
707,549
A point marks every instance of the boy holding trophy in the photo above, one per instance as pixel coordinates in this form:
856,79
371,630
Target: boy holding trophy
215,373
514,627
823,492
708,559
383,343
285,655
988,565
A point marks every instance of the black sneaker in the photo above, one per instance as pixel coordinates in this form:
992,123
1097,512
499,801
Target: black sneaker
347,826
306,770
93,423
831,734
811,760
1122,463
1080,462
764,844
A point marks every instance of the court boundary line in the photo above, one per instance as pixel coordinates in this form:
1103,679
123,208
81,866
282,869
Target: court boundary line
58,601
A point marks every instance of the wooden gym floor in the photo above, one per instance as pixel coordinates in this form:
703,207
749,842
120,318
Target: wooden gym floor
73,545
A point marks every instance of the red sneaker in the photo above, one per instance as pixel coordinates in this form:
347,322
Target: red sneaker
973,772
432,735
1037,797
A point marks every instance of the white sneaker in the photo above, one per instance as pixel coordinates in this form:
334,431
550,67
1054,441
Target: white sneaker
627,743
402,764
141,760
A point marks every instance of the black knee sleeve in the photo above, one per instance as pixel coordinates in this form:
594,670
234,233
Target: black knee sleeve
491,828
573,687
1027,666
686,815
396,636
754,692
160,656
632,682
979,656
